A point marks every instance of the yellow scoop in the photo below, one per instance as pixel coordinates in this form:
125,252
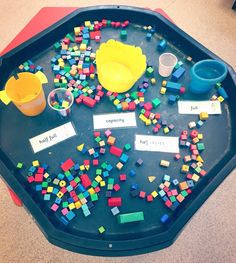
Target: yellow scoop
119,65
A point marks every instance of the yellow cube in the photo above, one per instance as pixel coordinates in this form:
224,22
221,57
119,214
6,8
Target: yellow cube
164,82
203,116
195,177
102,143
87,23
46,175
148,122
166,130
102,183
91,191
92,76
141,99
153,81
82,167
200,136
154,194
76,30
185,168
154,121
82,47
49,189
116,102
78,204
220,99
35,163
163,90
98,178
71,206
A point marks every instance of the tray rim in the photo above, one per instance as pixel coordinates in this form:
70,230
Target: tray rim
45,225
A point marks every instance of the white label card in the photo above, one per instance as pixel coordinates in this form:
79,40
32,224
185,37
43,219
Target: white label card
156,143
196,107
114,120
52,137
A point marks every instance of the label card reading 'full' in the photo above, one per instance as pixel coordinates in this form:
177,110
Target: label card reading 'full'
196,107
156,143
114,120
52,137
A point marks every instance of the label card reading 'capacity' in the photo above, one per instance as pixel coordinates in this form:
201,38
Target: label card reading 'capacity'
156,143
196,107
52,137
114,120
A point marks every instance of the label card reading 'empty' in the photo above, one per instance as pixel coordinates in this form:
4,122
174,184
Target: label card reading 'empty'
52,137
196,107
114,120
156,143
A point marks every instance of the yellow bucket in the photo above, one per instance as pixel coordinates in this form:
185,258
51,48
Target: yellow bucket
26,93
119,65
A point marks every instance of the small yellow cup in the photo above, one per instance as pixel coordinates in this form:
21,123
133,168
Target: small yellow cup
26,93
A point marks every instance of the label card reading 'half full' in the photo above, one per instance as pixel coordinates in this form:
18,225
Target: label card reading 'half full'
52,137
196,107
156,143
114,120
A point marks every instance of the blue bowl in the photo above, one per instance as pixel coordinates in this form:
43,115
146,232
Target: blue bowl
205,74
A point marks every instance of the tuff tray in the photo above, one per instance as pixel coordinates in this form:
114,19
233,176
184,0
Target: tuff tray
81,233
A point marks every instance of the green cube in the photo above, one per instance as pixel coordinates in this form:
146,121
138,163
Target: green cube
80,196
134,95
184,193
84,83
198,169
101,229
127,147
156,102
19,165
98,171
149,72
104,165
123,34
200,146
44,184
94,184
94,197
65,204
110,187
98,139
77,179
57,46
67,173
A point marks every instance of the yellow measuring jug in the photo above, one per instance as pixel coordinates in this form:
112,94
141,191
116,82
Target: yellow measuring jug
119,65
26,93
